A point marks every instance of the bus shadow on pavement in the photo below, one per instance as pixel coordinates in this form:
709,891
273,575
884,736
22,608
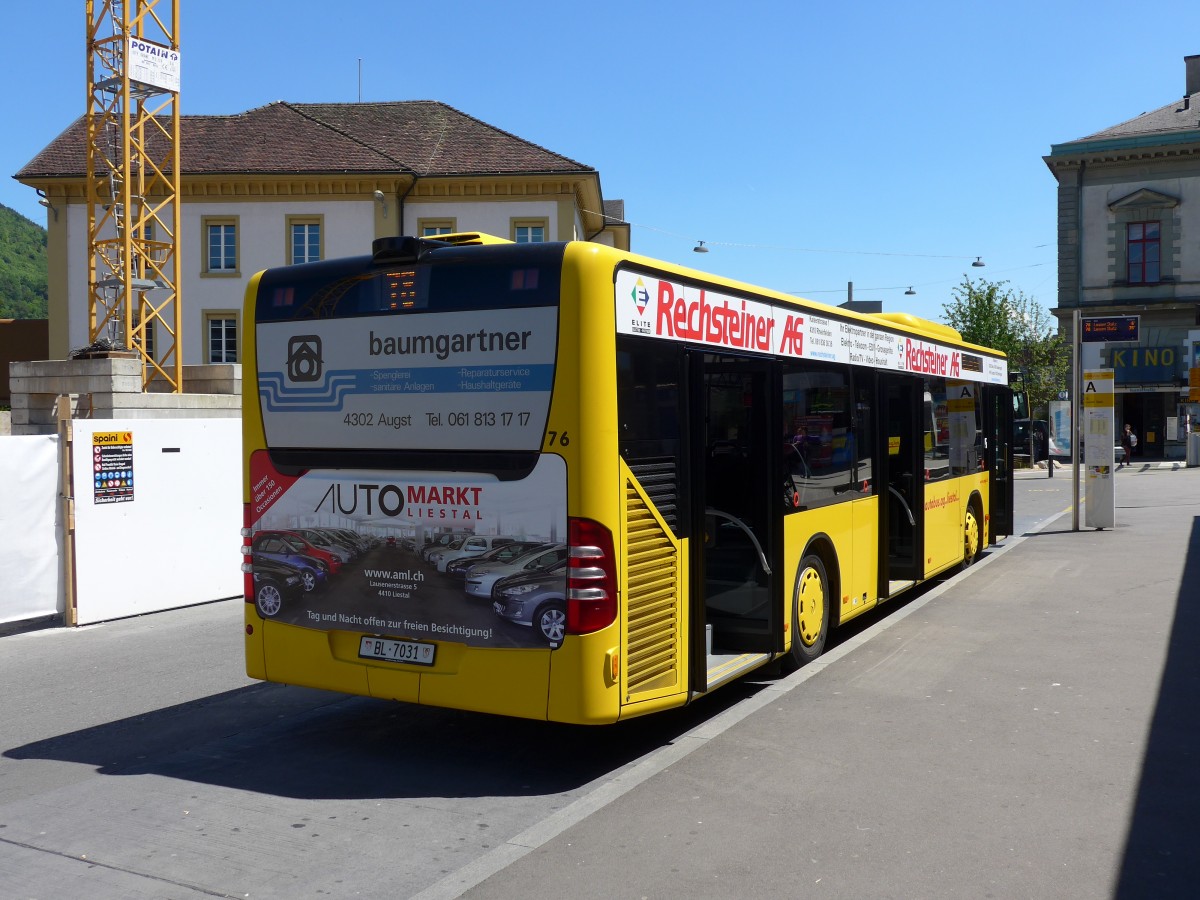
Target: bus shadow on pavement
1055,532
307,744
1160,851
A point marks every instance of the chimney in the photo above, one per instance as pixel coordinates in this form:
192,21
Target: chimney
1192,64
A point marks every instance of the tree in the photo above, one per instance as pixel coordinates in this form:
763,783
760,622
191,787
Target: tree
23,290
992,314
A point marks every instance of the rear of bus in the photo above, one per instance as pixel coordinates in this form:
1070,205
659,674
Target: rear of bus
418,397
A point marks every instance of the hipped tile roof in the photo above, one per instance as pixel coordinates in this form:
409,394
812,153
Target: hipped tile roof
422,137
1180,116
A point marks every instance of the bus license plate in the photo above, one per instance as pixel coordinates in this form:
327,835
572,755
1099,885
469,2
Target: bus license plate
397,651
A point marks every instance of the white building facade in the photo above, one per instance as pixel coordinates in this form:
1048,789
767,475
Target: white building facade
1129,246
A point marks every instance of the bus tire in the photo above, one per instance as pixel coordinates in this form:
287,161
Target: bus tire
810,613
972,536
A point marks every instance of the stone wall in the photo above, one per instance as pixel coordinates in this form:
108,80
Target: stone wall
111,388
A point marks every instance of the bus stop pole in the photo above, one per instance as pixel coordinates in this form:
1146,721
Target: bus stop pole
1075,387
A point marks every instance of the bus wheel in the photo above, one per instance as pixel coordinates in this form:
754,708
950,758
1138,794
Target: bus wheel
810,613
970,537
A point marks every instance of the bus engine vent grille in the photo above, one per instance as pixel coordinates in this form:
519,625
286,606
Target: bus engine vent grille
659,479
653,601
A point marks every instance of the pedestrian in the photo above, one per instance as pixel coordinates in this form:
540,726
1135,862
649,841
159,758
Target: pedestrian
1128,442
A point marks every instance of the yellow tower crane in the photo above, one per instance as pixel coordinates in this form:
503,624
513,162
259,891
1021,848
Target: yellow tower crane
133,182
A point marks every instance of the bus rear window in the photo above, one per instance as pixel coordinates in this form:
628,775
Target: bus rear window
347,288
453,353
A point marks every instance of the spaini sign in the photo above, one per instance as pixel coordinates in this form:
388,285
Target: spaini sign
112,438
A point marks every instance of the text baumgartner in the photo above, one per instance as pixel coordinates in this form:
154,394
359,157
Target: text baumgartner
445,344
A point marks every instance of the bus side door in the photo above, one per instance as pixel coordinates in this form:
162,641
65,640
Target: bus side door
997,431
901,480
735,501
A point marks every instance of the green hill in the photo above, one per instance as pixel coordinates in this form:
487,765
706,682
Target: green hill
23,292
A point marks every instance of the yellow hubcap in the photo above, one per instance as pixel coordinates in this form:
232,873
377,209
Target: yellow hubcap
971,536
810,613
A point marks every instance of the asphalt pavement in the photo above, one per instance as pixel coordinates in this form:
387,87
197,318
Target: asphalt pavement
1029,730
1025,729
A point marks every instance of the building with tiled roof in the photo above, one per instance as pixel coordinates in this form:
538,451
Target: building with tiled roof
290,182
1129,245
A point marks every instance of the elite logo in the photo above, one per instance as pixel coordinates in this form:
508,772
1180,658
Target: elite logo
641,297
304,362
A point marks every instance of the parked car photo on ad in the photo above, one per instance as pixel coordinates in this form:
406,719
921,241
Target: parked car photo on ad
297,544
482,578
275,583
503,553
475,545
328,543
313,571
441,542
537,600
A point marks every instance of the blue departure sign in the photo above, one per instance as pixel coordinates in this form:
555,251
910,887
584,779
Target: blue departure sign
1109,328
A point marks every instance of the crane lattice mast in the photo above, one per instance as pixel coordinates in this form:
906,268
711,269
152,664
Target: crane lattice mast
133,182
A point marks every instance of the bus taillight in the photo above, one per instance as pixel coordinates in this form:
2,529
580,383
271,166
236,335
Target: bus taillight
247,565
591,577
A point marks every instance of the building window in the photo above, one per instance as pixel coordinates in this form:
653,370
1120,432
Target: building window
1144,249
220,246
304,239
529,231
221,337
434,227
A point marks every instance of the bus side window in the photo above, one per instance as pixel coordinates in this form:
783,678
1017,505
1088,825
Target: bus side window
864,472
650,376
936,423
820,452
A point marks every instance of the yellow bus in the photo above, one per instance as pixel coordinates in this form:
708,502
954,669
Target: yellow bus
565,482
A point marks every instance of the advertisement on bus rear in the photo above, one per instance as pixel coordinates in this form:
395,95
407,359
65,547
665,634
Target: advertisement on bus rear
418,556
446,381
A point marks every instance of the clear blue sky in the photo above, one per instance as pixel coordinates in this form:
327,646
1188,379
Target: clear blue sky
809,144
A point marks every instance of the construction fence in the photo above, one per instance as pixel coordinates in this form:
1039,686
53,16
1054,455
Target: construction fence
119,517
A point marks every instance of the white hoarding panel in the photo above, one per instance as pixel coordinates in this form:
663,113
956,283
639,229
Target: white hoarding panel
157,514
29,565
